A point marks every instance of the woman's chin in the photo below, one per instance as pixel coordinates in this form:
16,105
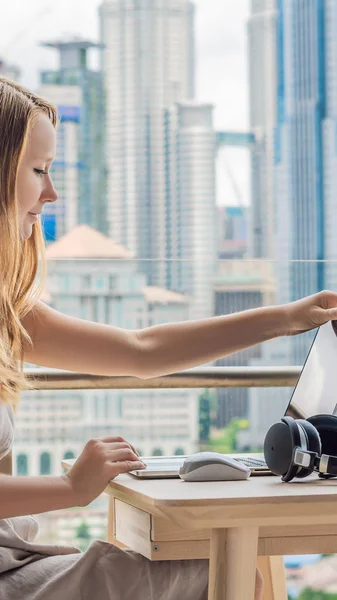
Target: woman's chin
26,231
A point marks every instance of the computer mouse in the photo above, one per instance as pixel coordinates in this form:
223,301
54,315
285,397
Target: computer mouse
212,466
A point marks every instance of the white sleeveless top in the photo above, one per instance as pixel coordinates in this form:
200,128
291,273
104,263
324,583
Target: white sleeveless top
17,534
6,429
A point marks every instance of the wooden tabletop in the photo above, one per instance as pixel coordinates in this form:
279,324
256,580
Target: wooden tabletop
257,489
257,498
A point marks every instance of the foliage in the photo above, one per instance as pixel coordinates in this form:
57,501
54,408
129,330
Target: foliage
309,594
205,401
226,441
83,535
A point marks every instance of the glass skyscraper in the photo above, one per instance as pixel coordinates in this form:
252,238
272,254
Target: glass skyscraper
306,76
305,177
90,118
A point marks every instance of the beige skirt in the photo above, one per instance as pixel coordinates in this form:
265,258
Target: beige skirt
105,572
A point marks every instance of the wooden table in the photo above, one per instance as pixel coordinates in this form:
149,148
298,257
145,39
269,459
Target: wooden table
234,524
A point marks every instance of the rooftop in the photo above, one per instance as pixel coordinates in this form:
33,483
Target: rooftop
85,242
70,42
162,296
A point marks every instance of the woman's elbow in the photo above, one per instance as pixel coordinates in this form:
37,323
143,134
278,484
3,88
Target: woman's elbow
143,363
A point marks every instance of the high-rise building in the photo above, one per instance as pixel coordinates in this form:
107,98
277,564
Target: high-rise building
262,58
62,216
88,115
305,153
152,124
240,285
305,175
191,243
232,226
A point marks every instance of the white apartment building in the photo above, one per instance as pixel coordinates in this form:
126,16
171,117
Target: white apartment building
93,278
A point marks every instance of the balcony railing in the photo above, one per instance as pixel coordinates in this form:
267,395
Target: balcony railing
198,377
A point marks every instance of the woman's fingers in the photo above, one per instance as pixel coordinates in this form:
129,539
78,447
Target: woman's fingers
118,440
125,466
121,454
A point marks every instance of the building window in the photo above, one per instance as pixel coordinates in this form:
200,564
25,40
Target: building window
86,282
45,463
157,452
99,283
68,454
179,452
22,464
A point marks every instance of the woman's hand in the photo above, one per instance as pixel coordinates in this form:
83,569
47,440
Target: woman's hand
310,312
100,461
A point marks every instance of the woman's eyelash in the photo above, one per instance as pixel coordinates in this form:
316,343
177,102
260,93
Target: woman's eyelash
41,172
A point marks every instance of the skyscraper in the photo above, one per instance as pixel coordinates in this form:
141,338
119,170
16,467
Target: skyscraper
148,66
190,218
263,87
305,151
89,116
305,173
61,217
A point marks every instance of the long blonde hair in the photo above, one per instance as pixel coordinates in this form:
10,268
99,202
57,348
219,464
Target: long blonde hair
19,260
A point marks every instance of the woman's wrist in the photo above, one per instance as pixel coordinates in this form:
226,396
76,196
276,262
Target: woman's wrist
75,498
282,320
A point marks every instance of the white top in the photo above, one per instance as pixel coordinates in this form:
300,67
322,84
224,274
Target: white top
6,429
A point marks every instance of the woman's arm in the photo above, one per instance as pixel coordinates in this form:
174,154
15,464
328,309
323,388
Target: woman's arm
100,461
67,343
32,495
72,344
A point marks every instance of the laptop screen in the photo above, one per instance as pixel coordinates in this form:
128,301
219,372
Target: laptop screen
316,389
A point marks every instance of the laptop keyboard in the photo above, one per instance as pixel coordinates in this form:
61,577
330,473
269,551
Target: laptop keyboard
173,465
252,462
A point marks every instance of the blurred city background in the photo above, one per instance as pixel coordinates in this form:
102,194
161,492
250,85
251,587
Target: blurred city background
196,168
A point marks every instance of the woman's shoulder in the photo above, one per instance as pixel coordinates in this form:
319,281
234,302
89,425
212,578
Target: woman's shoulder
6,428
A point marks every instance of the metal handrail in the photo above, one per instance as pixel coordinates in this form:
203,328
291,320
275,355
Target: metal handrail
198,377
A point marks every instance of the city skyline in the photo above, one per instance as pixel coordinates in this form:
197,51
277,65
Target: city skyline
221,36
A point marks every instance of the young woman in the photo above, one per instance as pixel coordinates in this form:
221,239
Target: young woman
31,331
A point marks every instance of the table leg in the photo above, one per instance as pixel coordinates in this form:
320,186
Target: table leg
232,563
111,533
111,521
272,569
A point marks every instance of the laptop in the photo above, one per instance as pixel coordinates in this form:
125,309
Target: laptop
315,393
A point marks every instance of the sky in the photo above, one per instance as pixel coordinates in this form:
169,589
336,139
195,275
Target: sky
221,62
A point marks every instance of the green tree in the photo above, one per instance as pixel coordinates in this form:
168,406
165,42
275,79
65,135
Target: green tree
309,594
205,416
83,535
83,531
227,441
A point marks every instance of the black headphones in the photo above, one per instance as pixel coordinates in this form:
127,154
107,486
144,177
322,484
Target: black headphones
297,447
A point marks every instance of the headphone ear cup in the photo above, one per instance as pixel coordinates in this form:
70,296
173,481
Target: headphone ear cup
278,448
313,441
326,425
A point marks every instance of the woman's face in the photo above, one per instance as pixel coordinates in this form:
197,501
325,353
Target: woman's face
34,186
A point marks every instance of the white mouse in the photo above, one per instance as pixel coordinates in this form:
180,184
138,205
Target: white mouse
212,466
